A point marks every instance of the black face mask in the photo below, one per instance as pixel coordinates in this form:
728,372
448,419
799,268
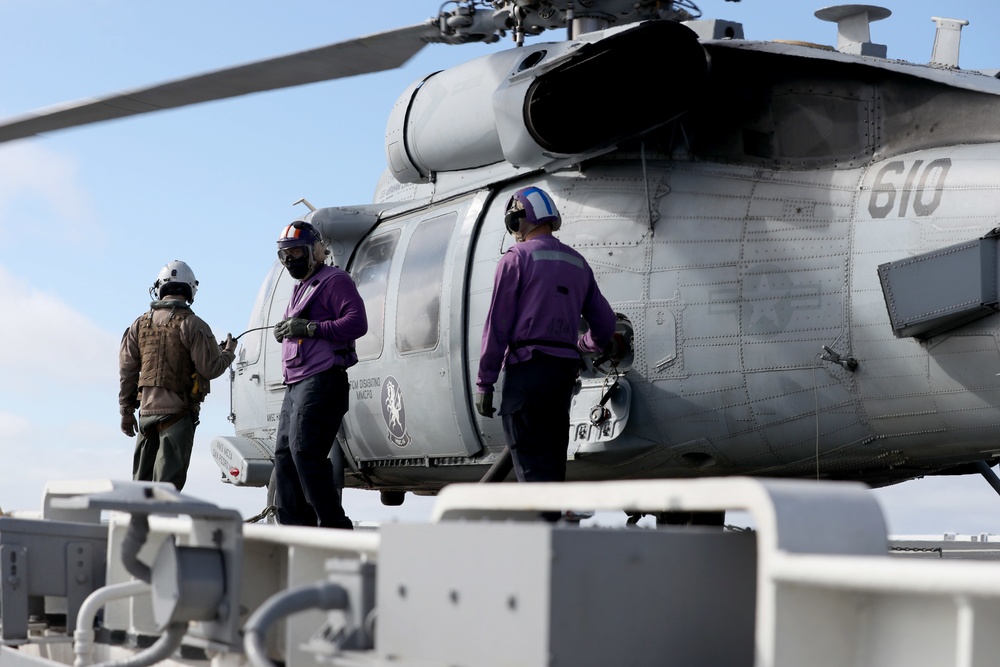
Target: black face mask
297,268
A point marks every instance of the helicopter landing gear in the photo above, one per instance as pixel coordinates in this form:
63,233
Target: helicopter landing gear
984,469
392,498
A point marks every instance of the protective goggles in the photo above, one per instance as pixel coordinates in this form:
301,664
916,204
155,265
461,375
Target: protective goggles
292,253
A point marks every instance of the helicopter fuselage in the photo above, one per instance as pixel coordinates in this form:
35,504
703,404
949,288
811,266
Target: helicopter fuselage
739,235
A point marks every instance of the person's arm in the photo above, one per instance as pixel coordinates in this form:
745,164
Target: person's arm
500,322
341,296
601,318
210,360
129,363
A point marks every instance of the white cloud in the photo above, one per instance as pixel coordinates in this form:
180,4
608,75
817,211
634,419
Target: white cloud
13,426
50,182
60,380
48,346
38,448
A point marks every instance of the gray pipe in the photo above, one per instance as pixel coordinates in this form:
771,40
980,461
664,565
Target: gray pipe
138,531
280,605
83,636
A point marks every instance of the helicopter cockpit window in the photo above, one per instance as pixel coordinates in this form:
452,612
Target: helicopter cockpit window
418,322
371,273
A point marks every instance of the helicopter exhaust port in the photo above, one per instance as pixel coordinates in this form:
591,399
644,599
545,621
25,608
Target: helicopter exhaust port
537,105
566,113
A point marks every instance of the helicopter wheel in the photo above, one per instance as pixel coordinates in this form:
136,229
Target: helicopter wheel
392,498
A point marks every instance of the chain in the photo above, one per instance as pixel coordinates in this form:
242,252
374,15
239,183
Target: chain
269,511
938,550
738,529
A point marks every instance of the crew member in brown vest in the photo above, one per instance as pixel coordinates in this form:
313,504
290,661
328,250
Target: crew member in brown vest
165,362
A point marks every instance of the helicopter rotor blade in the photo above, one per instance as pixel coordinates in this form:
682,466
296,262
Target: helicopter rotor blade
373,53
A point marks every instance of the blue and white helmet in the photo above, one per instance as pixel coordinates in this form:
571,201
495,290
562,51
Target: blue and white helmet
534,206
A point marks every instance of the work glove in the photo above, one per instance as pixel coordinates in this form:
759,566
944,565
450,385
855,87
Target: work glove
484,404
298,327
129,424
229,345
294,327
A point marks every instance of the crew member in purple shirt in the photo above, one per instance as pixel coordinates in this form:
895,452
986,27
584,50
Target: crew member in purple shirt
325,315
540,290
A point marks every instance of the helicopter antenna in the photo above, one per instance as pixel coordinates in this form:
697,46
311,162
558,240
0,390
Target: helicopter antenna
853,31
947,40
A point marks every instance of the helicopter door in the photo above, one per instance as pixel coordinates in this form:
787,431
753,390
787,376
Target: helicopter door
274,379
410,273
250,382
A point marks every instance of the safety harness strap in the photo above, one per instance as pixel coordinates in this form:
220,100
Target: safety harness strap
542,341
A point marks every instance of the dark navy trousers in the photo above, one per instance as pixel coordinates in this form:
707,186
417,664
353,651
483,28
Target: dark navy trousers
307,492
535,411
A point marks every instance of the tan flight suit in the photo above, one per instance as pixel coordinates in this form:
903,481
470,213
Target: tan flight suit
166,359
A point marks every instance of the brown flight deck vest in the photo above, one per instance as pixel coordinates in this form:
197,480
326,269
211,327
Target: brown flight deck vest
165,362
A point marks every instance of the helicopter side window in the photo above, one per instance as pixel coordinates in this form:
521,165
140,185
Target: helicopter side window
250,349
811,128
371,273
814,126
418,322
804,117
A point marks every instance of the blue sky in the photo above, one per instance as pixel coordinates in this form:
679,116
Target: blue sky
89,215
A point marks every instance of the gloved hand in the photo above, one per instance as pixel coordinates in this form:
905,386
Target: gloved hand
279,331
298,327
484,404
617,348
129,424
229,345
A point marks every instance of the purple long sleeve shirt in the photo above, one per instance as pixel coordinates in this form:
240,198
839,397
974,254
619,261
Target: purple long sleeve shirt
329,298
540,289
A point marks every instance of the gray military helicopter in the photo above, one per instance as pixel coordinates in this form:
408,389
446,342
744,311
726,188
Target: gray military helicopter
800,242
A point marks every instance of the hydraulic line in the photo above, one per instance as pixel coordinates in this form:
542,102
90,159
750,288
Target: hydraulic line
83,636
254,329
313,596
138,531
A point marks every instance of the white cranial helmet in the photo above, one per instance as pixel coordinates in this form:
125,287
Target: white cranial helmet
175,278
